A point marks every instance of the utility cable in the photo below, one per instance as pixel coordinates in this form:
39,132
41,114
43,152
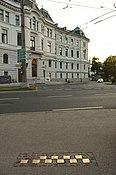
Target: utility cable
104,19
79,5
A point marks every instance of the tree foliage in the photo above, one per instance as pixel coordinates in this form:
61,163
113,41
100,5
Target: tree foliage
109,67
96,67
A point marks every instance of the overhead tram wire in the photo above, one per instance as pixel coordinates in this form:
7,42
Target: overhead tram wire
104,19
102,15
79,5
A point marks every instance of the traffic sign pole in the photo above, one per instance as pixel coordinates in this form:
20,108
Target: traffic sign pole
24,76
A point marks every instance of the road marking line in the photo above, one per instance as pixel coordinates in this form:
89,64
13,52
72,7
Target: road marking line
3,99
106,94
61,96
72,109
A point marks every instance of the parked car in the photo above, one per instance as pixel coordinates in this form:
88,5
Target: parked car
100,80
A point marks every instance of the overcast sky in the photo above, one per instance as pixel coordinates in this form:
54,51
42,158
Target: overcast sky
79,13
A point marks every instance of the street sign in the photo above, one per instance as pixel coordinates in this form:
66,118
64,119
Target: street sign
21,55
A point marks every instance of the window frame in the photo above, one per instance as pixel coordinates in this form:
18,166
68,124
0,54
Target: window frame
4,36
32,42
17,20
5,58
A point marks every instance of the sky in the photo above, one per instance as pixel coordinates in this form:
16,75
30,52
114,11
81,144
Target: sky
83,13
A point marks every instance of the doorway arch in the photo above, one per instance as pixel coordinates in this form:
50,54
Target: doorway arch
34,68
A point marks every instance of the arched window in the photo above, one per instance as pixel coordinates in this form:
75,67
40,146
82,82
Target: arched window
5,58
34,23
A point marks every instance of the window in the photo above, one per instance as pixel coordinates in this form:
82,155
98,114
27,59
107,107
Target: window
4,36
34,68
84,54
49,47
71,53
7,17
72,76
66,52
32,43
60,65
77,43
71,41
37,26
1,15
55,50
5,58
55,64
42,45
19,39
50,63
34,23
66,65
60,38
50,75
30,24
55,36
5,73
84,44
61,75
60,50
77,54
84,66
77,66
72,65
17,20
51,33
42,29
77,75
47,32
66,40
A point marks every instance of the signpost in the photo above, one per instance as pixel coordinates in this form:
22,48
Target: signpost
21,55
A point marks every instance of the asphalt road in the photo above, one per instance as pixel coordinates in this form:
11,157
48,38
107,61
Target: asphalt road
59,97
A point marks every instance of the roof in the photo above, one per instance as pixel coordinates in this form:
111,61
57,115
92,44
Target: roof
78,31
46,14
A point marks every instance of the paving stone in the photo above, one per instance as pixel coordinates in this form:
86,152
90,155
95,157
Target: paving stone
66,157
73,161
48,161
24,161
78,156
36,161
60,161
54,157
43,157
86,161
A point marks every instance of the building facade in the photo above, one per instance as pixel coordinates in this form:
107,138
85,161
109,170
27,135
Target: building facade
52,52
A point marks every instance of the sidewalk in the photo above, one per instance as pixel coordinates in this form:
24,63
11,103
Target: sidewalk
89,84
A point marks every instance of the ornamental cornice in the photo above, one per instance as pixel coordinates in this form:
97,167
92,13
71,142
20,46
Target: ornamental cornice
12,7
9,6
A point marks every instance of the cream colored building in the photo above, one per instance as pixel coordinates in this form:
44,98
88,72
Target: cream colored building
51,51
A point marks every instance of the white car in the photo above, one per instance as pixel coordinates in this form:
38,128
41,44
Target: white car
100,80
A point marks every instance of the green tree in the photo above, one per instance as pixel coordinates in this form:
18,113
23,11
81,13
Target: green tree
97,67
109,68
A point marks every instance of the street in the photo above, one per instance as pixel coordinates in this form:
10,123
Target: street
59,97
58,129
